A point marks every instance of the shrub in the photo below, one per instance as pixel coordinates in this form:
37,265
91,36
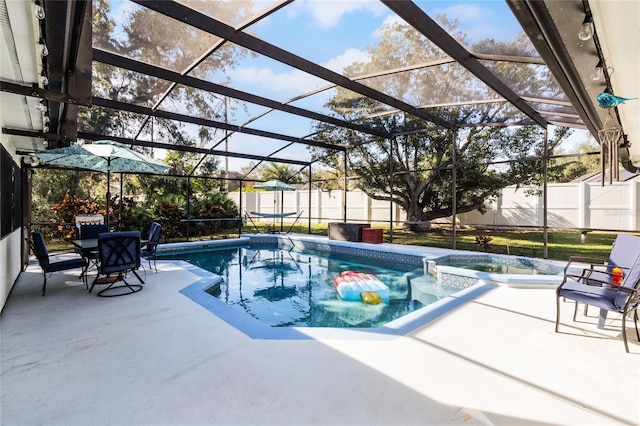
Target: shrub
484,242
128,209
70,207
169,214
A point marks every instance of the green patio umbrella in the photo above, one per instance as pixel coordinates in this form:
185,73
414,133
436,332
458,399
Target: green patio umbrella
103,156
275,185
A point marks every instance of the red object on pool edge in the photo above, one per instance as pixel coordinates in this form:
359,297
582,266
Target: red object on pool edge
371,235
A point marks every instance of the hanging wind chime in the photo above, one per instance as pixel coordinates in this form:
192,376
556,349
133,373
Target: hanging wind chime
609,135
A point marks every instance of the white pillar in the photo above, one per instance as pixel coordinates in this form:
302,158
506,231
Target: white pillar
318,207
583,205
367,208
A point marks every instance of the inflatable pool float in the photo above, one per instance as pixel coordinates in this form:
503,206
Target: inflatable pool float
350,285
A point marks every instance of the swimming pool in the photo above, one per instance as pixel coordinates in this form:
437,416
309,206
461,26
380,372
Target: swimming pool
287,287
457,285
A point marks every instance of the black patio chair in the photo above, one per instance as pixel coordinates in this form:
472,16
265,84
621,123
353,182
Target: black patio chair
90,232
118,254
149,249
39,249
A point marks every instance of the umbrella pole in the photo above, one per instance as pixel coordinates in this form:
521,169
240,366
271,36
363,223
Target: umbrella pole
120,205
108,190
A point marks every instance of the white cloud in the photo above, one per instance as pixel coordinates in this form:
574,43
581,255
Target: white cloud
478,22
465,12
295,82
327,13
389,20
350,56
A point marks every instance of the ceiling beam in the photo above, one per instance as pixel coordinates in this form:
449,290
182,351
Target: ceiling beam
538,24
32,134
186,148
419,20
154,71
68,34
509,58
36,92
137,109
203,22
252,20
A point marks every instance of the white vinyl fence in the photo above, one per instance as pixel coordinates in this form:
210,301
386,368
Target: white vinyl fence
584,205
326,206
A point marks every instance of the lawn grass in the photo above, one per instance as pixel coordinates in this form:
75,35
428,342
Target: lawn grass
529,243
560,245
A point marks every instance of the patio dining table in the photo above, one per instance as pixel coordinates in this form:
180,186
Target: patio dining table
87,244
85,248
92,244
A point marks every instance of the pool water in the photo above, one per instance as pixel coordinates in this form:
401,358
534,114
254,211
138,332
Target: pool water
500,264
497,268
285,288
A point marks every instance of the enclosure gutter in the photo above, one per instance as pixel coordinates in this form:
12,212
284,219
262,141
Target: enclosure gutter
392,141
545,169
184,148
344,189
309,201
454,195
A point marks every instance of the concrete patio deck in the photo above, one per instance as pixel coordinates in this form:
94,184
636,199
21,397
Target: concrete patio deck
158,358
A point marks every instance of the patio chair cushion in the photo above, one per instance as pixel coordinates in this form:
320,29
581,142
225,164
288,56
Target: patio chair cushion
150,247
39,248
118,254
601,297
91,231
119,251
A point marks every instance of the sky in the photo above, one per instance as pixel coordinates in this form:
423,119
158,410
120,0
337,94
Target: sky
333,33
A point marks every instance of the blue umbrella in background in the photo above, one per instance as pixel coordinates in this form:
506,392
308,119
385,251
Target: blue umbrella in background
103,156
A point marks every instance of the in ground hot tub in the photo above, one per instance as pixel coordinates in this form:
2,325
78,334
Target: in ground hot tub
468,269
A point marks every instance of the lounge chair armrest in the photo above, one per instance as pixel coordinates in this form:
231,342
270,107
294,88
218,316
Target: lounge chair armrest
626,268
586,279
581,278
586,275
591,261
629,290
